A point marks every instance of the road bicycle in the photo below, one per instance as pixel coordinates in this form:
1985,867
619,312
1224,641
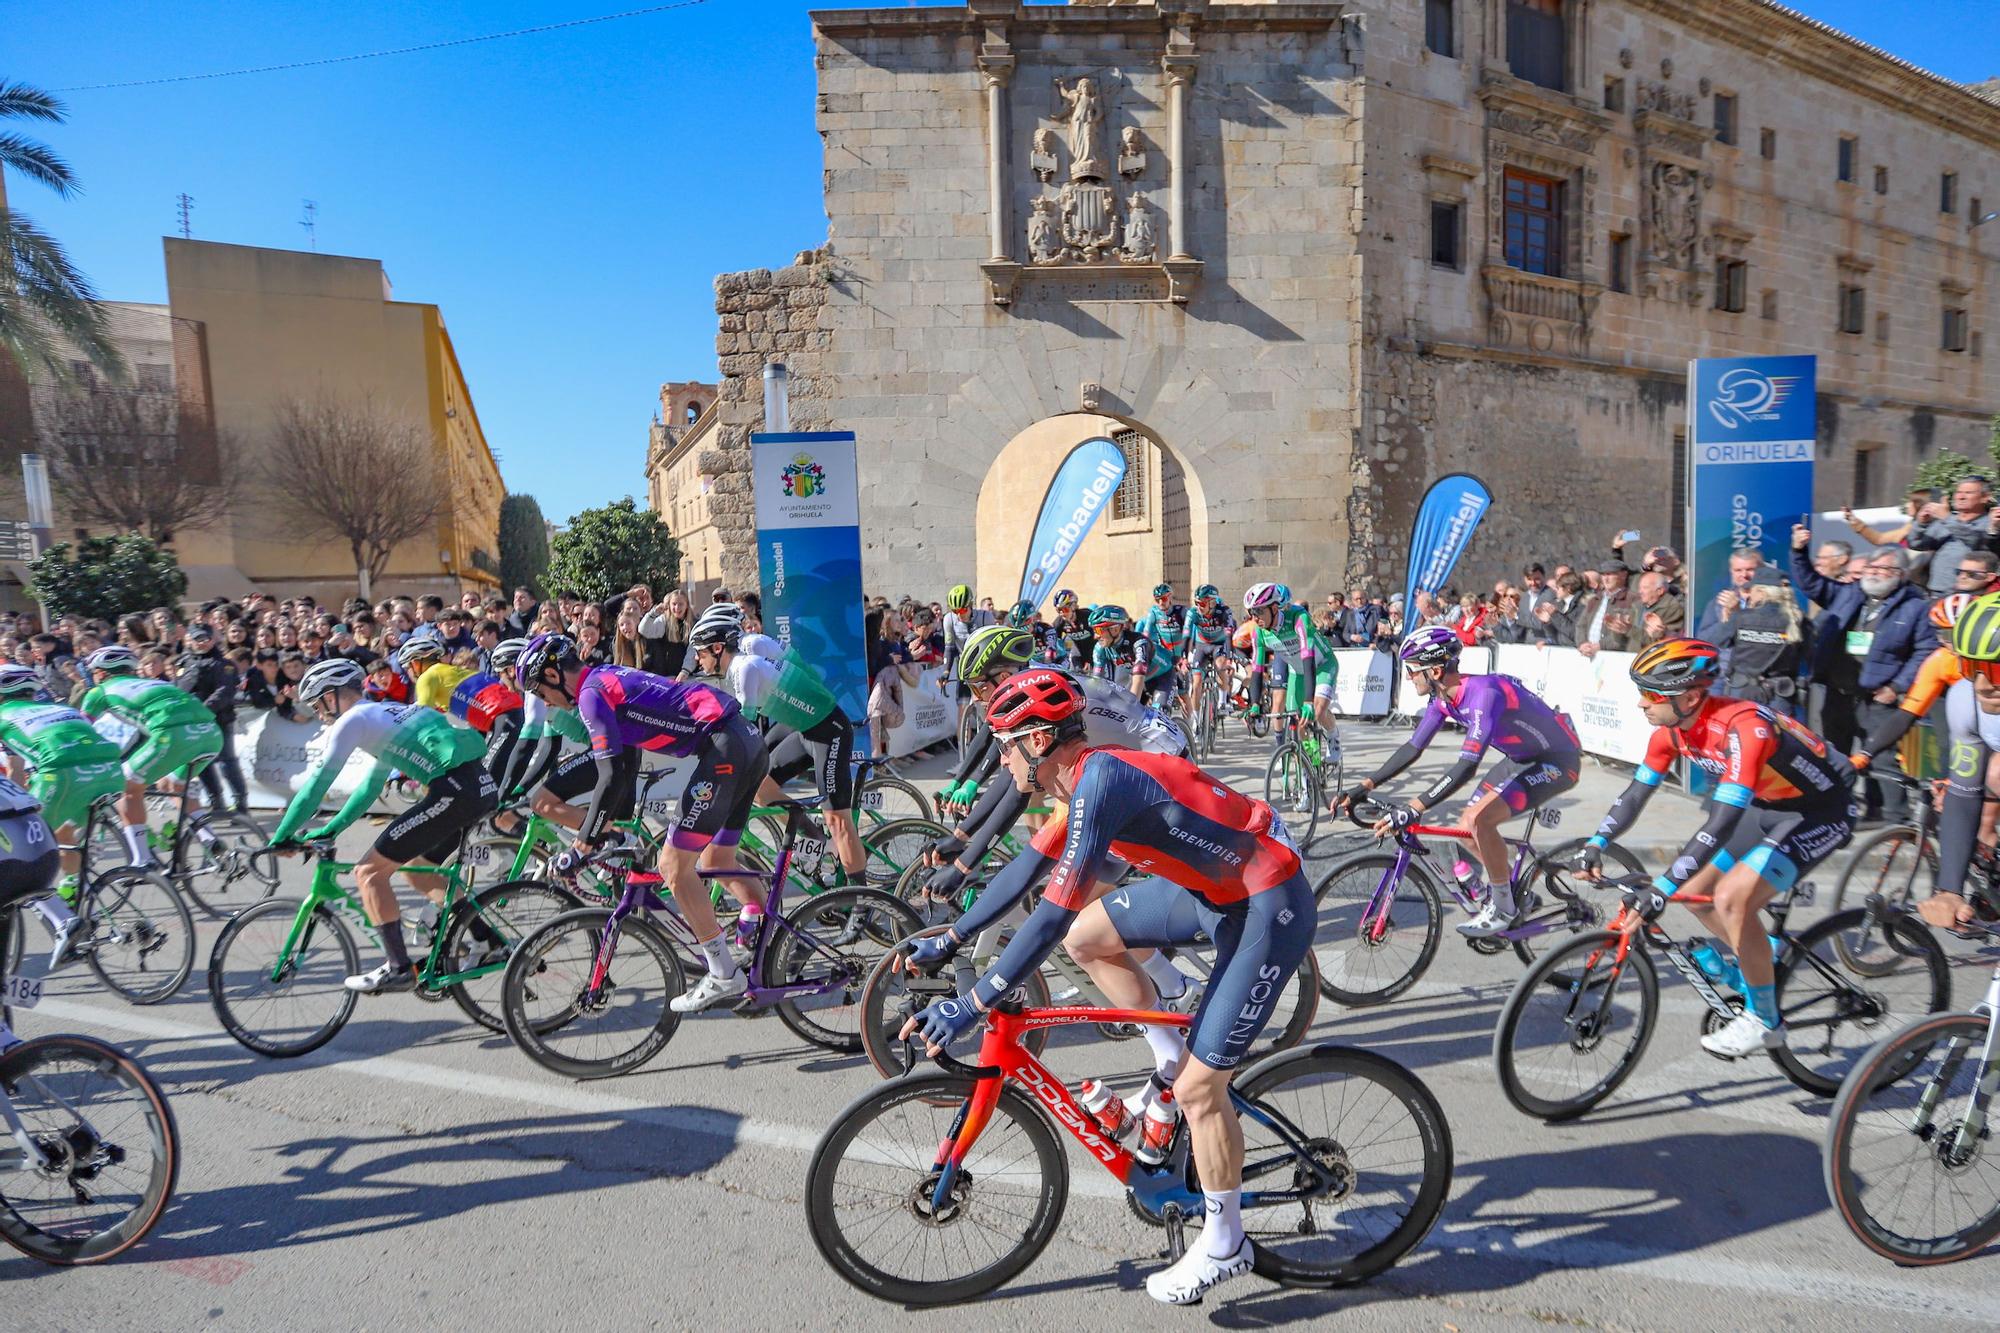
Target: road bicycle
1910,1157
1898,865
91,1153
136,933
588,995
1575,1026
277,975
217,858
939,1187
881,796
1381,913
1304,767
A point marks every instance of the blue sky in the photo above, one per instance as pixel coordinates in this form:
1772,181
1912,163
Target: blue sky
567,198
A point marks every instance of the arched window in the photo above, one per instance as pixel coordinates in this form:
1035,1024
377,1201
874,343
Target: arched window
693,411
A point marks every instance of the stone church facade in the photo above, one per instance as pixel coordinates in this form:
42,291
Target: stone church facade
1300,259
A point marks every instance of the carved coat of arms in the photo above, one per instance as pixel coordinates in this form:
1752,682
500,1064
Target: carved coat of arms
1089,213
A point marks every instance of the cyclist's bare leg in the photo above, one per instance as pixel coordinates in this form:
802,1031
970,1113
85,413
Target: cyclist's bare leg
557,811
1739,897
132,805
1213,1130
1125,976
1482,819
847,842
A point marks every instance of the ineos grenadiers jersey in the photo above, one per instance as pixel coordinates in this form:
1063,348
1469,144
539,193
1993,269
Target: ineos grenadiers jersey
150,705
623,707
1754,754
53,736
1212,628
1501,712
1294,639
1167,817
418,742
482,699
1121,657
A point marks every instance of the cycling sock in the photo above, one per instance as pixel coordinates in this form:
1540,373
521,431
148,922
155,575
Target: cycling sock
1222,1233
482,932
392,944
716,953
54,911
135,843
1169,1046
1170,981
1763,1003
1503,896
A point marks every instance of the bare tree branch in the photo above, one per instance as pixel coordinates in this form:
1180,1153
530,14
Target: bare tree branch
138,461
356,471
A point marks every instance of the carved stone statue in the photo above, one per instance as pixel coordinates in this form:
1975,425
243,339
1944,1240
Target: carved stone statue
1042,156
1089,214
1045,243
1131,152
1140,246
1673,212
1083,110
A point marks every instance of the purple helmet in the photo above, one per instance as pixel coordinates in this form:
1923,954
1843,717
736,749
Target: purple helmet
543,651
1433,646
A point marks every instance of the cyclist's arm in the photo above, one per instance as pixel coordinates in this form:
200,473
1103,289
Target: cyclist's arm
1750,745
357,804
1478,735
501,743
974,758
1001,895
1647,777
996,812
1428,725
600,721
339,744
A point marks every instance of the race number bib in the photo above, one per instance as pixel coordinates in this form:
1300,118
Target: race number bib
871,799
21,992
807,854
478,854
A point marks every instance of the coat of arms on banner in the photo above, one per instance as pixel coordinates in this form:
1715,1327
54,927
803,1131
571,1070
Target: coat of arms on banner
804,478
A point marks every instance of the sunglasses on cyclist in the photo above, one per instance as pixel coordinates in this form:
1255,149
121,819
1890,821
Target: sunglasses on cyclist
1971,670
1653,697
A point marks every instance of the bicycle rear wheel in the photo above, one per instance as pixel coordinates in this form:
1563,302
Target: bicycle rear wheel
870,1192
511,912
228,868
1575,1026
1369,957
567,1026
281,1003
836,939
141,941
1902,1173
1832,1015
1377,1128
1291,787
889,997
108,1144
1898,863
884,796
893,847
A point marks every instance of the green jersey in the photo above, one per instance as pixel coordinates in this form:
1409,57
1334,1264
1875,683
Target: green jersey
410,739
51,736
1296,640
152,706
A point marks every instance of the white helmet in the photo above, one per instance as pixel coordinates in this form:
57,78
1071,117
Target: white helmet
323,678
1261,595
505,653
423,646
720,611
113,660
18,680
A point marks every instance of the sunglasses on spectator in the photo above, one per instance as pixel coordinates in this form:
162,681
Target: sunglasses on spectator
1974,573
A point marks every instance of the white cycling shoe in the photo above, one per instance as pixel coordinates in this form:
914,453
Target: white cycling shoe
388,977
709,992
1490,922
67,935
1197,1273
1744,1036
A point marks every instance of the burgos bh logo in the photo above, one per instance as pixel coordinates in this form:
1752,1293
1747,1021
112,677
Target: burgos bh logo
804,478
701,793
1743,396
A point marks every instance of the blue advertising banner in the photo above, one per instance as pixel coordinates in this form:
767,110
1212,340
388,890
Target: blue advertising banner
1083,486
1750,431
1445,523
809,551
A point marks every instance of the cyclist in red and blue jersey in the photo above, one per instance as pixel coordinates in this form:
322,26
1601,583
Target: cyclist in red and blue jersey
1222,866
492,707
1780,807
1543,759
627,711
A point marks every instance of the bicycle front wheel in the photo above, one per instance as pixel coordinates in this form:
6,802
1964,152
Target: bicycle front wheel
1291,787
1832,1014
1575,1026
569,1026
871,1192
1376,1129
106,1149
141,941
278,977
894,847
835,940
506,914
1899,864
1905,1175
884,796
1377,932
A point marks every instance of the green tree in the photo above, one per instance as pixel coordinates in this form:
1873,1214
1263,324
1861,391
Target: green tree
524,545
106,577
1942,470
612,547
47,306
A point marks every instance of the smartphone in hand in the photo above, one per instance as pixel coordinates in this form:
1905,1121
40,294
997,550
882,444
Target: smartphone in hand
1629,535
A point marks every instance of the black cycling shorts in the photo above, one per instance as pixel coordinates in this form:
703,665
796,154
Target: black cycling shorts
1528,784
431,829
1782,845
728,768
576,774
826,749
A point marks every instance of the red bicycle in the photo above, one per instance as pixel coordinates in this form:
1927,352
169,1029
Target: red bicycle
939,1187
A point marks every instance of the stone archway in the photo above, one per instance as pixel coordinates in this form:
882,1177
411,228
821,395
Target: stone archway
1155,528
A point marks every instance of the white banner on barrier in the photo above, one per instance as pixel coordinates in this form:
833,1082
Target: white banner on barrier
1363,682
1596,692
1472,661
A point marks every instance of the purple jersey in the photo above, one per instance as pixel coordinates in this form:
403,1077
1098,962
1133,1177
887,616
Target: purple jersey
624,707
1501,712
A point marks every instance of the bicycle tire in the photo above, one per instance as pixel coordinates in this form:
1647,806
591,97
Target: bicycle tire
161,932
866,919
17,943
492,854
162,1133
937,1094
1881,1083
517,908
1343,923
892,847
238,846
909,799
1908,938
529,971
1540,979
931,911
882,1014
1911,854
1291,787
237,934
1551,869
968,726
1266,1079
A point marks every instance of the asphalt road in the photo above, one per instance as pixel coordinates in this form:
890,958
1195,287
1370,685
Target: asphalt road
419,1170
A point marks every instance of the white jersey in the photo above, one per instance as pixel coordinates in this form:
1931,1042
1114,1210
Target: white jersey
751,678
1112,715
1966,720
762,645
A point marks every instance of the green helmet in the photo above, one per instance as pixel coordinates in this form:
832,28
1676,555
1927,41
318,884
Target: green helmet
1976,637
1022,614
995,646
1109,614
958,598
1207,592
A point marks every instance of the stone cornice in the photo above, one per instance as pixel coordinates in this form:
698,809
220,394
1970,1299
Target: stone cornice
1084,18
1773,32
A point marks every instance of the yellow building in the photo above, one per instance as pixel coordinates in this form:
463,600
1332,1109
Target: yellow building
285,324
676,487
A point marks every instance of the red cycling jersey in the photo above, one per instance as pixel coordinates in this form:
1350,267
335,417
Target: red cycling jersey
1163,815
1748,749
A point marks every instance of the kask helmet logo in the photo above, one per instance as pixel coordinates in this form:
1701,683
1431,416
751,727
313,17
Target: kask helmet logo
804,477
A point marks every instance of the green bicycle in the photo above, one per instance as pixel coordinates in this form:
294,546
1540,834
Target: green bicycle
277,976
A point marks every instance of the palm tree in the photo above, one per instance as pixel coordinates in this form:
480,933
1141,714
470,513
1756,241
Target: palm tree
46,304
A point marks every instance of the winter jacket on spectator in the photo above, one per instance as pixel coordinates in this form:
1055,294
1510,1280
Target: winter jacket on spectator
1950,538
1673,620
210,678
1607,636
1359,625
1903,635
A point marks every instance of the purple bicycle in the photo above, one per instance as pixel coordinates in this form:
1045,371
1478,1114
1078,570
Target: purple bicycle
1381,913
588,995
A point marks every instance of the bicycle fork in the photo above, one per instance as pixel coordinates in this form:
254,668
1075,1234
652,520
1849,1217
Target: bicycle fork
1972,1128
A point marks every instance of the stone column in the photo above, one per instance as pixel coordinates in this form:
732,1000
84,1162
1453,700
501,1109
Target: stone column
996,68
1179,66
